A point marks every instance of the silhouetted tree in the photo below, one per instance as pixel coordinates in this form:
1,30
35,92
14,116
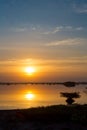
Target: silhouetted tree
69,84
70,96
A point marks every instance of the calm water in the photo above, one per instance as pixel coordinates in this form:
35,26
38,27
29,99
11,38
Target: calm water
13,96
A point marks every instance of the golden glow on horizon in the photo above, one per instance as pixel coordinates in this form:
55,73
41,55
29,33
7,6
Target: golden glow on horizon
29,96
30,70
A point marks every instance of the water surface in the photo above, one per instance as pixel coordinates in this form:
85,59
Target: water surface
13,96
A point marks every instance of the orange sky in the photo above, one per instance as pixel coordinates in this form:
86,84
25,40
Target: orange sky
45,70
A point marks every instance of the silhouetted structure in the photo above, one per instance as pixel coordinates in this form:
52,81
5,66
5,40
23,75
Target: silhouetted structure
70,97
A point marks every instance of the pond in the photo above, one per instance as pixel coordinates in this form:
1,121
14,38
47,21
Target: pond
26,96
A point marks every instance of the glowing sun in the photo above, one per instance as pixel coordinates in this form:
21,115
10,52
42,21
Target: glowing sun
30,70
29,96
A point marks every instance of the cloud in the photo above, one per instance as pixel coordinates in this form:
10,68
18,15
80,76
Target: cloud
46,31
54,30
68,27
63,28
79,28
57,29
63,62
80,8
23,29
33,28
16,61
72,41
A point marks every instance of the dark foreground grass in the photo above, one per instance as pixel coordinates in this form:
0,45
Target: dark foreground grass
60,113
57,114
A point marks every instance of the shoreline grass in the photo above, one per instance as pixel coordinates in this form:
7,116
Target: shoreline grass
55,116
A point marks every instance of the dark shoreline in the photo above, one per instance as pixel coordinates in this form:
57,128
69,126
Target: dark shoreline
44,116
67,83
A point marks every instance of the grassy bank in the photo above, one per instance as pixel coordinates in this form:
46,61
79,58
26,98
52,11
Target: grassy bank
56,113
76,114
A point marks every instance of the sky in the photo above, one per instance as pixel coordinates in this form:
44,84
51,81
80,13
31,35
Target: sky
50,35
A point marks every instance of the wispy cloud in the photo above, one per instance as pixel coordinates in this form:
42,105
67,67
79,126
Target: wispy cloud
45,31
57,29
33,28
54,30
16,61
80,8
79,28
72,41
19,29
45,62
63,28
25,28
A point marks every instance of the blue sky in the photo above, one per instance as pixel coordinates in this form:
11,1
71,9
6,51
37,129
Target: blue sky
44,30
52,13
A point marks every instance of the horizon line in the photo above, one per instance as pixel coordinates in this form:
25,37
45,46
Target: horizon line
67,83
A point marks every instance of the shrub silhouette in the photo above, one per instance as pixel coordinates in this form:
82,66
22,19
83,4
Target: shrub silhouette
70,96
69,84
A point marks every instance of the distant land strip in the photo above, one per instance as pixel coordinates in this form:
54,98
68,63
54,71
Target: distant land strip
68,83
